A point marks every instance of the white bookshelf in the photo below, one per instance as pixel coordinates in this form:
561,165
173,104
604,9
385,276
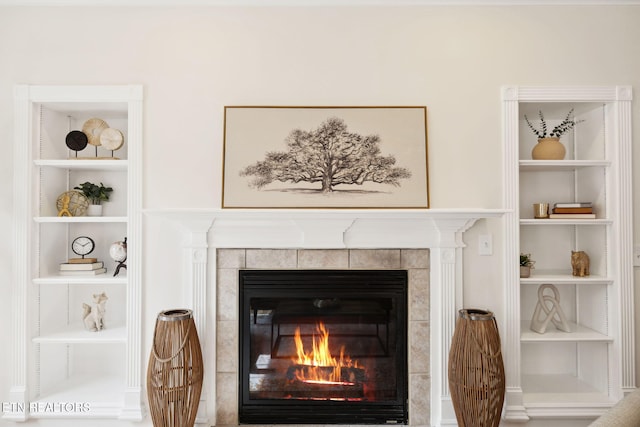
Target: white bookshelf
56,357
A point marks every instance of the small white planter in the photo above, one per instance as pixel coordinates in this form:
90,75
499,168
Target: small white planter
94,210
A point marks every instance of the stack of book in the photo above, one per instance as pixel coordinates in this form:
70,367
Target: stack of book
82,267
572,210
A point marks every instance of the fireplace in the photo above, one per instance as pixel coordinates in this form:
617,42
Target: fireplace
427,243
323,346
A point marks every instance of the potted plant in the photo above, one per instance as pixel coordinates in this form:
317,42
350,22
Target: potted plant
549,146
96,195
526,264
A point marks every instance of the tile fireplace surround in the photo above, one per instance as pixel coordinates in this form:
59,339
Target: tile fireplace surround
428,243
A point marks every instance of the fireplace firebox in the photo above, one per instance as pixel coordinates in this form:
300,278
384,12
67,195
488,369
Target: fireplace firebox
323,346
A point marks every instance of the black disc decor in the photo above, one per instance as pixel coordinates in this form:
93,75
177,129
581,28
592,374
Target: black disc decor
77,141
476,370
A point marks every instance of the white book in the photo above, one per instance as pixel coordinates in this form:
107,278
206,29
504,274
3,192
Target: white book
572,216
84,267
83,272
573,205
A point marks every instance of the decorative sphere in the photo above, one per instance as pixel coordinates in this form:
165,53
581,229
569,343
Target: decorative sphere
118,251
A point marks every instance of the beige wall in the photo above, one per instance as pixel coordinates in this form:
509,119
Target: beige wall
193,61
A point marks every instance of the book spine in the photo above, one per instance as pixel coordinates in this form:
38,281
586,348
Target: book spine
572,210
572,216
81,267
573,205
83,272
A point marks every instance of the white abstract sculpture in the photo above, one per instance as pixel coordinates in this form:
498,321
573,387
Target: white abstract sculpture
93,315
553,313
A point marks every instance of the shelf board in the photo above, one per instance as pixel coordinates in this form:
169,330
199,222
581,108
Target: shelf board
539,277
77,219
100,395
573,221
550,392
89,164
580,334
560,165
100,279
77,334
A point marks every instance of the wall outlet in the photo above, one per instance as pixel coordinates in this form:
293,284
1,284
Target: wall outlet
485,244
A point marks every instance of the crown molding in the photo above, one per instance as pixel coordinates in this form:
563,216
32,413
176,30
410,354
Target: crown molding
305,3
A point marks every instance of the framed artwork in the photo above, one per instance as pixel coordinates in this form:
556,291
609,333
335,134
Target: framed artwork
325,157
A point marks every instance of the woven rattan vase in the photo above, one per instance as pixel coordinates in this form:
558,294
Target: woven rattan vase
476,370
174,375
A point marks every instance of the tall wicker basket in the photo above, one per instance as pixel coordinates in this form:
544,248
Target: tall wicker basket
476,370
174,375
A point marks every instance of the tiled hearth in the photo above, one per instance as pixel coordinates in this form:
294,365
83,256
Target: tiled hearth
230,261
428,243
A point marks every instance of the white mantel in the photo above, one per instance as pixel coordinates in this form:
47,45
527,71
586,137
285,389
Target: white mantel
440,230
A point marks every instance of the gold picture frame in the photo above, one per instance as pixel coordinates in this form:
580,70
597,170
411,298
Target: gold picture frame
325,157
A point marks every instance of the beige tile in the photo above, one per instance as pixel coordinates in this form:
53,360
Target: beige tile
419,346
323,258
272,258
374,258
419,402
414,258
227,399
419,280
227,294
227,348
231,258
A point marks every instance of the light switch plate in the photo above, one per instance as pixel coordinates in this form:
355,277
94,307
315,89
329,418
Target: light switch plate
485,244
636,256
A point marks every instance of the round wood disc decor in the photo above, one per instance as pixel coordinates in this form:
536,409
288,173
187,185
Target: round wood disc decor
93,128
76,140
111,139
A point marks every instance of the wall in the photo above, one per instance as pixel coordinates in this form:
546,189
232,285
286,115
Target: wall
193,61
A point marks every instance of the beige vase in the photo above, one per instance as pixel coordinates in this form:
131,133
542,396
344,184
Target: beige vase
548,149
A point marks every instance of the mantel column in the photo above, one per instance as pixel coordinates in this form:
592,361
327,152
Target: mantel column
196,261
446,300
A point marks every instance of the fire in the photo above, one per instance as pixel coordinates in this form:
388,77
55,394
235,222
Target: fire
319,365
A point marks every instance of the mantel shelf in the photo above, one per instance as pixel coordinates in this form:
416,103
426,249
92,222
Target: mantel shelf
329,228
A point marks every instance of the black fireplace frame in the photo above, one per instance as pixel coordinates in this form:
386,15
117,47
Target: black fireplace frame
319,284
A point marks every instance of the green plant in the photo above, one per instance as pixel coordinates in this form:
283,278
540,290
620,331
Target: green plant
95,193
565,126
526,261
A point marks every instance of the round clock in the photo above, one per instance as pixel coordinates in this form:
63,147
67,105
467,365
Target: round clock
83,245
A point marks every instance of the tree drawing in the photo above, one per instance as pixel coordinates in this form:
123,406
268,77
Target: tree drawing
329,155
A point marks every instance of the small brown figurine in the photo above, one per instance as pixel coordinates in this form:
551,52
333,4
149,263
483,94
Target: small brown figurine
580,263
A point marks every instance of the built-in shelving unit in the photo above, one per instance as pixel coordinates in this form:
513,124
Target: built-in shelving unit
583,372
56,359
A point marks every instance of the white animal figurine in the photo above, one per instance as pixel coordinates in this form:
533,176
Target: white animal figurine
93,314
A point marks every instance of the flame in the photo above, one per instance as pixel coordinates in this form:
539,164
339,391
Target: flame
320,357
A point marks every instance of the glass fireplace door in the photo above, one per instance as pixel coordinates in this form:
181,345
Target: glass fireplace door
323,346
